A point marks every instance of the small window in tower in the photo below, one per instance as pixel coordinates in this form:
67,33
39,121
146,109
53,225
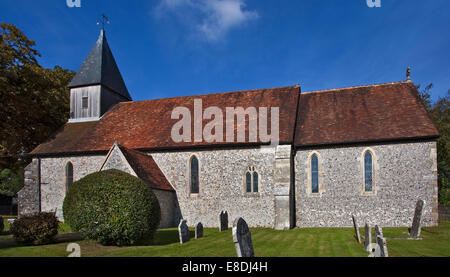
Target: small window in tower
85,102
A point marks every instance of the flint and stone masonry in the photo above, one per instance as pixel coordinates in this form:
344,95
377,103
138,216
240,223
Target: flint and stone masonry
222,185
53,179
29,196
403,174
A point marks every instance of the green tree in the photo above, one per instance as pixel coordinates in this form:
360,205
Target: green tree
10,182
440,114
33,100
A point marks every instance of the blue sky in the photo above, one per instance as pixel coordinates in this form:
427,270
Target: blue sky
168,48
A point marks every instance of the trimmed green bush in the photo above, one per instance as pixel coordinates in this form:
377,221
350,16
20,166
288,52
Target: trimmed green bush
35,229
113,208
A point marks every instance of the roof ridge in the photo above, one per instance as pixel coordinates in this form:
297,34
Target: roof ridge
354,87
208,94
133,151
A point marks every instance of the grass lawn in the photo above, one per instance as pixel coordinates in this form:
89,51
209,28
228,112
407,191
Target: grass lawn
307,242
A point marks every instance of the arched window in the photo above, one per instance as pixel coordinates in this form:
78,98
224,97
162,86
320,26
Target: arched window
314,174
368,171
194,175
248,181
69,175
255,181
251,180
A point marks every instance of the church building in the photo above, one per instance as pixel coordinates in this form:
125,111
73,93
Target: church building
368,151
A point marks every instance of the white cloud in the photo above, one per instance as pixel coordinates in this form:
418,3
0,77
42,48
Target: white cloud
211,18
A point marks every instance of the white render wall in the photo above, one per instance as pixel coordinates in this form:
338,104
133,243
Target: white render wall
404,173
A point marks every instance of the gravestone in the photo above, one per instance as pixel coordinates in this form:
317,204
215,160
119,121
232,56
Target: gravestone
383,246
223,221
242,238
355,225
378,231
183,231
198,230
367,236
416,228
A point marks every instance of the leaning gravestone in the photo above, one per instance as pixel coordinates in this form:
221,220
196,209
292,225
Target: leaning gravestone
223,222
355,225
183,231
198,230
383,246
378,231
242,238
367,237
416,228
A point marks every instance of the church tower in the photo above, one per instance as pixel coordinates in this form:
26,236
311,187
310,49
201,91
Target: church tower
98,85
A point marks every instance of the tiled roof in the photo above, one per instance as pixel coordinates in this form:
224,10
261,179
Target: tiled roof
373,113
360,114
66,140
148,124
146,169
100,68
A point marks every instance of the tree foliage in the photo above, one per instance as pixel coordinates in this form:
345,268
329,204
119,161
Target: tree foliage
112,207
10,182
35,229
34,101
440,114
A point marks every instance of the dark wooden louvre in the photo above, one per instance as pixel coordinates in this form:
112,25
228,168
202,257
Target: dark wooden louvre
85,102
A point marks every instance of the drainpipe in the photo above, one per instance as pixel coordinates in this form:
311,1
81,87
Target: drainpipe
39,183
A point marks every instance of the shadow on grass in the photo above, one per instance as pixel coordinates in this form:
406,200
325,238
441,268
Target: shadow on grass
169,236
162,237
60,238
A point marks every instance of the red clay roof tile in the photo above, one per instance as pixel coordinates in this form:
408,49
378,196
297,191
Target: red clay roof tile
146,169
390,111
148,124
367,113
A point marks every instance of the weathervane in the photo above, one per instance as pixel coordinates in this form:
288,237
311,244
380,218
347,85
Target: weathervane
104,20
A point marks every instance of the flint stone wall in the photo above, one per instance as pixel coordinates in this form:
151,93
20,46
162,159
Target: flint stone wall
28,196
403,174
53,184
53,178
222,176
117,161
